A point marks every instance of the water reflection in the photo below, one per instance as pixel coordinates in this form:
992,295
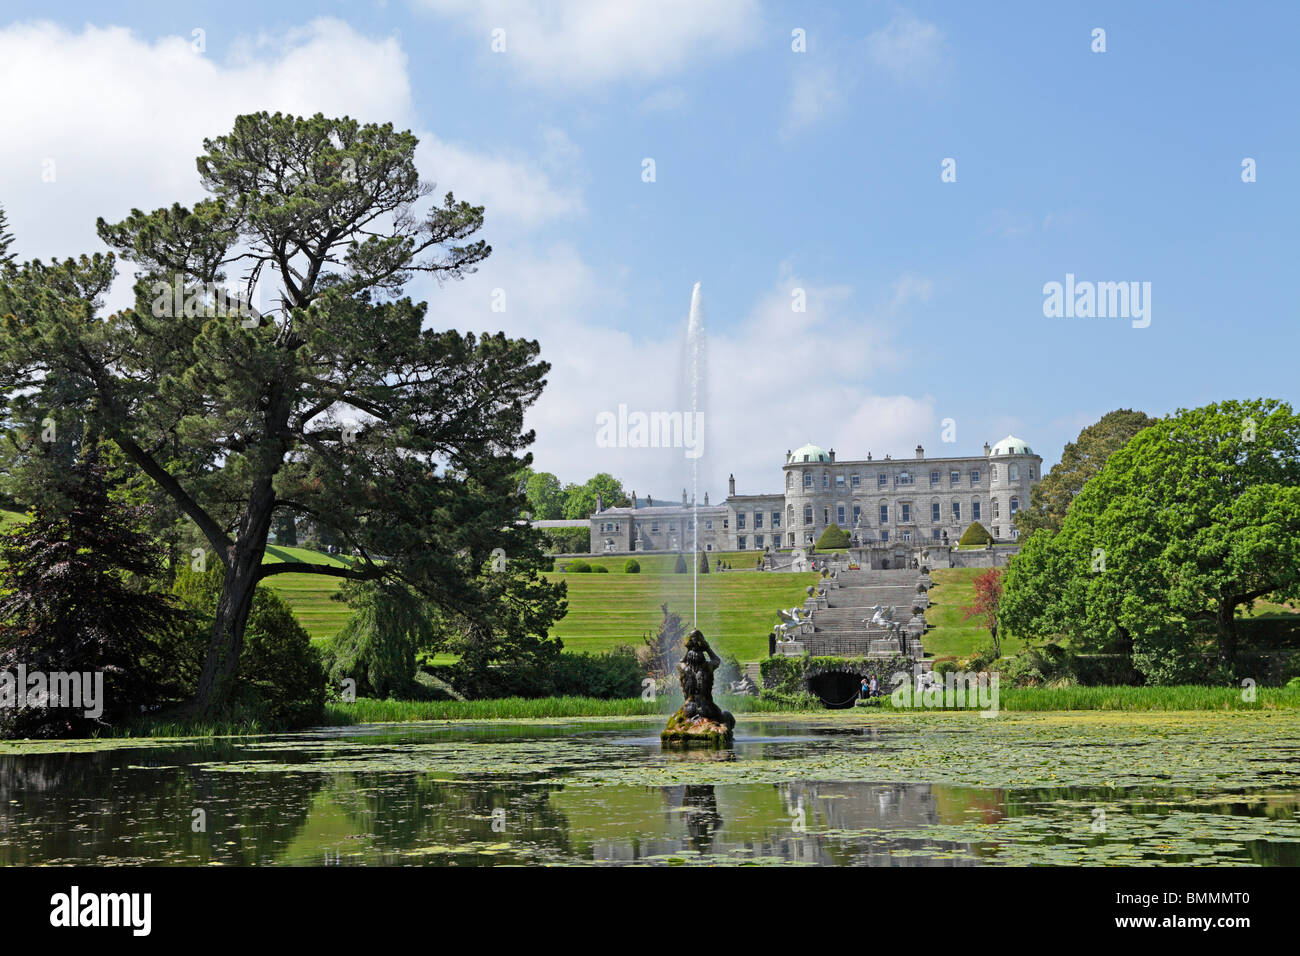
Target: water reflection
281,801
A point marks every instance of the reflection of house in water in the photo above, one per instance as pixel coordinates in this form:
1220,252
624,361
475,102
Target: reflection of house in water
827,824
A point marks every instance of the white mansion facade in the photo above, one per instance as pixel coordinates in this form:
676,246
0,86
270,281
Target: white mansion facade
882,501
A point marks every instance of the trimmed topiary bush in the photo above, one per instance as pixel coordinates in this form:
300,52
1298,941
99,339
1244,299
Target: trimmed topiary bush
680,566
578,566
600,569
632,566
976,534
833,537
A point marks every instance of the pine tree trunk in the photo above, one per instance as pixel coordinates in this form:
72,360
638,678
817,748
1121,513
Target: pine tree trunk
220,668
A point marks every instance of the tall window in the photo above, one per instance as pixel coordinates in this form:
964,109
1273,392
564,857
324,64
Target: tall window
776,519
956,510
954,477
740,542
1015,506
856,481
884,514
839,516
857,513
882,480
807,514
826,516
807,479
974,476
708,524
758,541
934,534
1013,472
884,536
934,477
740,521
839,482
758,519
789,481
826,480
907,513
996,508
975,510
934,511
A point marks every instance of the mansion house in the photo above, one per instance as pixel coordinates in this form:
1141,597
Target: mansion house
876,501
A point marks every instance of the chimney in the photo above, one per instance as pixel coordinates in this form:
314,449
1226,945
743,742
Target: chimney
920,452
788,453
987,449
832,454
731,486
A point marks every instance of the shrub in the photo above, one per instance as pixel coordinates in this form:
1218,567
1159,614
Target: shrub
833,537
578,566
600,569
680,566
632,566
280,676
613,674
976,534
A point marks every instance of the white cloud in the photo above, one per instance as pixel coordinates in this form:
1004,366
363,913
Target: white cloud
760,398
817,91
581,43
910,51
122,119
667,100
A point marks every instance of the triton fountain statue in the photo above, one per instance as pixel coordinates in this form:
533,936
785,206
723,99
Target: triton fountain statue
699,721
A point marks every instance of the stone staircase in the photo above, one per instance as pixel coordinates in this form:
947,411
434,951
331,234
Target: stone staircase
840,615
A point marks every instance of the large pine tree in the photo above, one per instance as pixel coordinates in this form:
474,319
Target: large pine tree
334,405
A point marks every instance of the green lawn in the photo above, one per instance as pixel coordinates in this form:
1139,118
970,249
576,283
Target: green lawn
8,518
737,608
309,594
950,636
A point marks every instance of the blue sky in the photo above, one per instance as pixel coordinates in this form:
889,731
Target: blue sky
775,171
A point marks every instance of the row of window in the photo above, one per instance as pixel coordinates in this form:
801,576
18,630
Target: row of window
904,478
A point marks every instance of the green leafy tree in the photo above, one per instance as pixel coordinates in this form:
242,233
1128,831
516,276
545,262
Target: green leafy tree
1049,500
1186,525
378,645
545,497
580,500
334,404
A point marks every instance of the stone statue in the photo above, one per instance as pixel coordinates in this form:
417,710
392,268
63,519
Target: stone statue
699,720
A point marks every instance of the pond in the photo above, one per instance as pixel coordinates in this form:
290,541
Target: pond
831,788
